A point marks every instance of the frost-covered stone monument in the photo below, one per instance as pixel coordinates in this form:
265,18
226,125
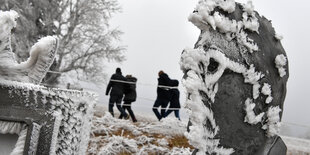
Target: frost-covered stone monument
235,79
46,120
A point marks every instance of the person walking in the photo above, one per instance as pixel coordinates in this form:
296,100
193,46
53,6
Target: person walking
174,100
163,95
130,96
116,83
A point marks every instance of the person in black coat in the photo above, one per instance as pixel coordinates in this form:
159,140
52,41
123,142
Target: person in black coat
116,95
174,100
163,95
130,96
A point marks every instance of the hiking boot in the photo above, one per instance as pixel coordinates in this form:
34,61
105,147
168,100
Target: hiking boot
126,117
120,117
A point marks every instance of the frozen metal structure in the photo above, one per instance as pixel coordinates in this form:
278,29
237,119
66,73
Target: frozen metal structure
235,78
47,120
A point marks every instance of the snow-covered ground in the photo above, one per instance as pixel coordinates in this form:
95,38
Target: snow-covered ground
149,136
297,146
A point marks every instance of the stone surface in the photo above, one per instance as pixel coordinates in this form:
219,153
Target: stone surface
65,133
42,54
229,115
232,91
57,121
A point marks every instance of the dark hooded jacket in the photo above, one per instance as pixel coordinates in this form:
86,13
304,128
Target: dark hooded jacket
130,90
117,87
175,95
163,93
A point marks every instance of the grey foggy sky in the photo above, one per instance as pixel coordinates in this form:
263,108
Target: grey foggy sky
156,32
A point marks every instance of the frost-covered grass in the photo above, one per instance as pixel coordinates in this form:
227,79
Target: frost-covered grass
147,136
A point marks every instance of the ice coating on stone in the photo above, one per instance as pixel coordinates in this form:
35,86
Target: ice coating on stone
278,36
42,54
75,125
191,61
58,118
229,45
273,123
74,107
198,135
7,22
251,76
203,10
34,137
10,127
251,117
266,90
205,16
249,20
280,62
72,110
15,128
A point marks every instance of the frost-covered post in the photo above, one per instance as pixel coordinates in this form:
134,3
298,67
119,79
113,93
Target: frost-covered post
46,120
235,79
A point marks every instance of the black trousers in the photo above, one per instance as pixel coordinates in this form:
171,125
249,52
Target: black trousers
127,106
118,101
163,103
176,113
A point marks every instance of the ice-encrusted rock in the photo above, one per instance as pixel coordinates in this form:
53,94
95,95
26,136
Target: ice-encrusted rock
48,121
232,79
42,54
59,120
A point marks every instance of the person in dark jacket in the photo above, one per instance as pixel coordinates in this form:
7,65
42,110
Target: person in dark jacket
174,100
130,96
116,95
163,95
